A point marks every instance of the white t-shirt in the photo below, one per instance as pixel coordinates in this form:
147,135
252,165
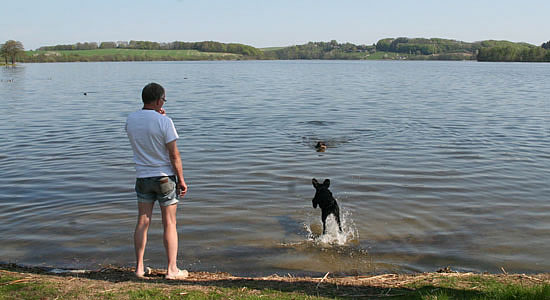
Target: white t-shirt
149,132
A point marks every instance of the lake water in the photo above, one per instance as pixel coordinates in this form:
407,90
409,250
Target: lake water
434,164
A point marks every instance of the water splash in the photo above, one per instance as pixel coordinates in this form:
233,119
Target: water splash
332,235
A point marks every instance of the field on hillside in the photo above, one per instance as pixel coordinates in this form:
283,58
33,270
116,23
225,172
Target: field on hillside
123,55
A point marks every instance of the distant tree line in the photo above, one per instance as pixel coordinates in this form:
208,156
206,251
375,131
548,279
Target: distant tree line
77,46
401,47
322,50
422,46
206,46
489,50
53,57
513,52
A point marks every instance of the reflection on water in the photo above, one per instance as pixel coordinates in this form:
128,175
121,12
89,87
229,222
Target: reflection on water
434,164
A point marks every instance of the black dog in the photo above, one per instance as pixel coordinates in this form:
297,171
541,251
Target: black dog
327,203
321,147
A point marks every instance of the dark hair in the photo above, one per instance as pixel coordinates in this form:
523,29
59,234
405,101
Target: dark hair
152,92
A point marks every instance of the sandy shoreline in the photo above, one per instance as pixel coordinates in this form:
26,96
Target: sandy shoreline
117,278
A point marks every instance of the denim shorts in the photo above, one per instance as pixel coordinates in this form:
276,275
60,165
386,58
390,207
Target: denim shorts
161,188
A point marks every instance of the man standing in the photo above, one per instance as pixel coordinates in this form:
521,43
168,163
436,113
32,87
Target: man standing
159,175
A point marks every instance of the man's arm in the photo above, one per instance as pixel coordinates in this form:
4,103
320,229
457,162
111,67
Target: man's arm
175,159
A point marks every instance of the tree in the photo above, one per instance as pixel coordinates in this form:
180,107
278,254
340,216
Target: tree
384,44
86,46
546,45
107,45
4,53
11,49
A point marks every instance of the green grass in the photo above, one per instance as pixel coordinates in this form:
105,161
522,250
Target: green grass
271,48
477,288
501,291
123,55
385,55
220,293
24,289
152,53
146,294
14,285
426,292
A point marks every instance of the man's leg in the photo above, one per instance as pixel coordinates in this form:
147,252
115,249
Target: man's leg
145,210
170,237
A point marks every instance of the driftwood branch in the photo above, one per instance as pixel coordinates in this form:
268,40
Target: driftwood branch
325,277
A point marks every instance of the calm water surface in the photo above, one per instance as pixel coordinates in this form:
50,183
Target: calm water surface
434,164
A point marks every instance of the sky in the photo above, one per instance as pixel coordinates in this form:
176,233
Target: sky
270,23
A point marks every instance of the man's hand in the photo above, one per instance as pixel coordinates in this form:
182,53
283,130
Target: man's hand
161,111
181,189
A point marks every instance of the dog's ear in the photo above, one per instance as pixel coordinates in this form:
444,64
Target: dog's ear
326,183
315,183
